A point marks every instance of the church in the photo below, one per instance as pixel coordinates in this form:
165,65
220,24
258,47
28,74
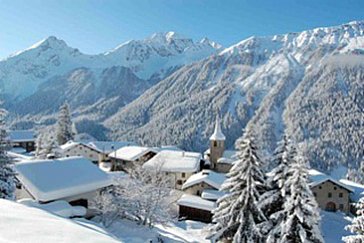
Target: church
221,160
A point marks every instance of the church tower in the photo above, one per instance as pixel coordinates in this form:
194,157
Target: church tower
217,144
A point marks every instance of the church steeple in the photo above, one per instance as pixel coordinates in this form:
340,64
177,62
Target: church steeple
217,135
217,144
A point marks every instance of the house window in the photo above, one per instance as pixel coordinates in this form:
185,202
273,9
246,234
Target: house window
341,194
198,193
179,182
183,175
315,194
335,188
80,202
341,207
215,143
320,187
329,195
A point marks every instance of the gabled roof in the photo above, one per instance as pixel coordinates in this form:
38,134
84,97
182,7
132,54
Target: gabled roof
107,147
209,177
71,144
358,189
131,153
175,161
48,180
21,136
196,202
317,177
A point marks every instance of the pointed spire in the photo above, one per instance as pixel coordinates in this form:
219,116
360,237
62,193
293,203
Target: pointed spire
217,135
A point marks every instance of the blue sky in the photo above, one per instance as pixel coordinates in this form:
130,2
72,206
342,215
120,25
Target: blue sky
95,26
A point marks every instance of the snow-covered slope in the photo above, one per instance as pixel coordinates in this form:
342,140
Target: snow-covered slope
19,223
152,58
300,83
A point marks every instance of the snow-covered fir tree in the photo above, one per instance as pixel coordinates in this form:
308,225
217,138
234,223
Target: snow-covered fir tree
271,202
357,225
237,216
7,175
64,125
301,215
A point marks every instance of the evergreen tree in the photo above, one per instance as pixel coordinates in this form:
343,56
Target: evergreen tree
271,202
64,125
357,225
301,216
238,216
7,175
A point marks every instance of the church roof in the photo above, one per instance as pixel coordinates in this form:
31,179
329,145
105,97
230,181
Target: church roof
217,135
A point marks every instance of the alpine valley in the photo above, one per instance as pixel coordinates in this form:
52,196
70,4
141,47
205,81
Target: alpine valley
309,85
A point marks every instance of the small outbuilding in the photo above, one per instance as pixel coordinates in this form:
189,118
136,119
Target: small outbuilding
195,208
24,139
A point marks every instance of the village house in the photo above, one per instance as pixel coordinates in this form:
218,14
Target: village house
126,158
23,140
72,148
179,165
74,180
108,147
204,181
330,194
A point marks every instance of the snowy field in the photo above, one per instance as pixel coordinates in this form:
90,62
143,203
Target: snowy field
20,223
184,231
332,226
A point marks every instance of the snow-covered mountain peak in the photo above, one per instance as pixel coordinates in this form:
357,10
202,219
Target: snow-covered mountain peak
297,42
49,43
173,35
207,41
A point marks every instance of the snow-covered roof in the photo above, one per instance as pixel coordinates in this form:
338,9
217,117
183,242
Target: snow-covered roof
131,153
209,177
175,161
18,156
109,146
217,135
317,177
21,136
48,180
358,189
168,147
71,144
59,207
20,223
228,157
196,202
210,194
